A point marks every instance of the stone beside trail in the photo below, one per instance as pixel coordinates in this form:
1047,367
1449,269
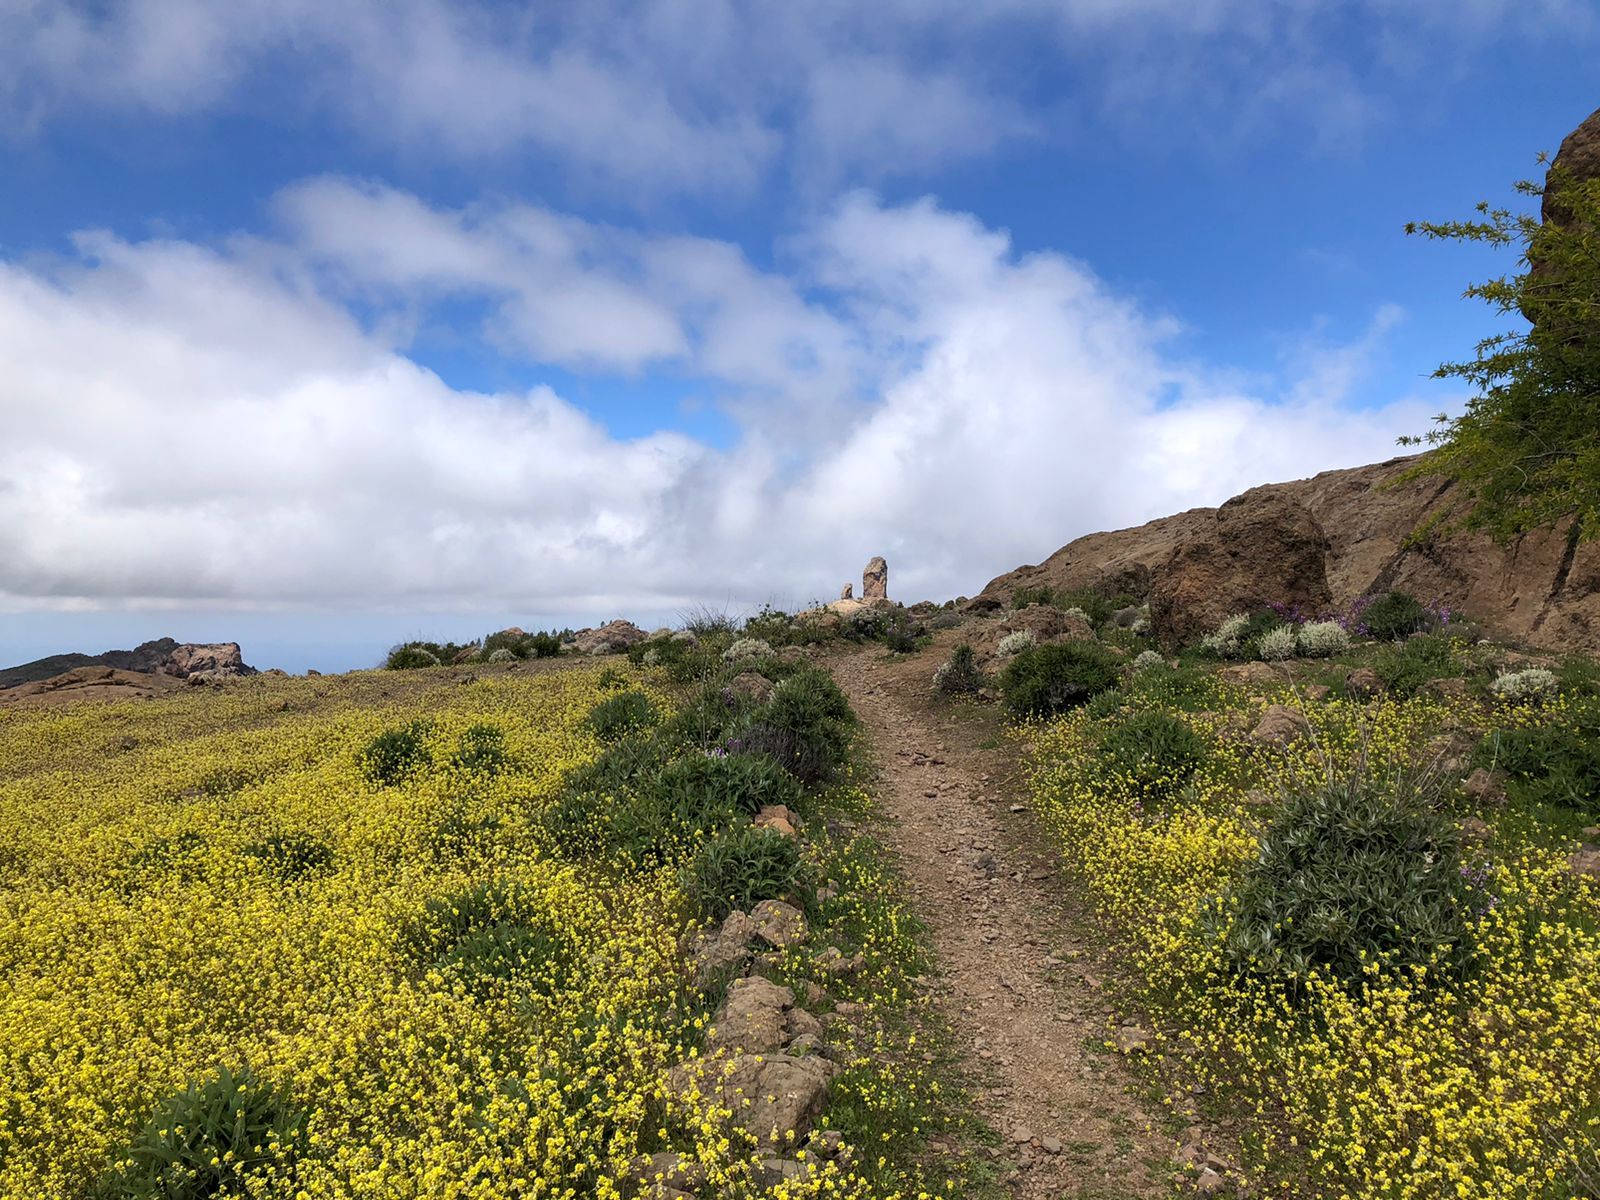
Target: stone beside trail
1018,987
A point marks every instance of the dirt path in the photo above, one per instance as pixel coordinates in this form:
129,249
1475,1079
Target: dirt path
1019,990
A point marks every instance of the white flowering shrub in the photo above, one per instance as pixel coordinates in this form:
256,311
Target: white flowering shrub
1275,645
651,657
1525,687
747,648
1224,643
1146,660
1075,611
1323,639
1015,643
501,655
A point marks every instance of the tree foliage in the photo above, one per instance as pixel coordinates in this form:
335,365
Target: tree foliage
1526,451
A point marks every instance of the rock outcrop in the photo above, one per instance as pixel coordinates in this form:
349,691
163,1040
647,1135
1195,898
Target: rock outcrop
1325,542
610,638
875,580
1579,159
88,683
164,656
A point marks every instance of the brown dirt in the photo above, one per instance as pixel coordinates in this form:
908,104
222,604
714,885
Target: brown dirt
1020,989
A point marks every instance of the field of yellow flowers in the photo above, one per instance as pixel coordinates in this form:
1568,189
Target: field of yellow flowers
1473,1073
229,898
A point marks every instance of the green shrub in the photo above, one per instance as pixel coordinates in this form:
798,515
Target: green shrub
1394,617
622,714
543,644
410,657
721,782
1405,667
1557,763
488,935
809,707
482,750
740,868
211,1139
711,717
1033,594
291,855
751,649
1053,678
395,753
1151,755
959,674
1349,872
811,761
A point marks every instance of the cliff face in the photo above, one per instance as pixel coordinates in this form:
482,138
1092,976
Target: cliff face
1323,543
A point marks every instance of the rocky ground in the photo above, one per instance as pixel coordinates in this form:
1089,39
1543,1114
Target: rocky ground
1019,987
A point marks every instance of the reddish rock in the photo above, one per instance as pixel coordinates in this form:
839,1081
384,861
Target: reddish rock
610,638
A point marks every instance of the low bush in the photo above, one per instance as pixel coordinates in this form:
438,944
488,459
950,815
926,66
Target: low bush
622,714
411,657
959,674
1227,640
500,655
740,868
488,935
811,714
1533,686
1147,660
1355,871
211,1139
1323,639
1553,762
395,753
1275,645
720,782
747,649
291,856
482,750
1015,643
1150,755
1394,617
1405,667
1036,594
1053,678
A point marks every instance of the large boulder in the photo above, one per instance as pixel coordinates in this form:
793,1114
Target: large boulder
610,638
1579,160
212,659
1263,548
775,1098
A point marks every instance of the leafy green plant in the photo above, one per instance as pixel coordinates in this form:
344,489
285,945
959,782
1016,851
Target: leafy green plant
1395,616
1352,871
622,714
291,855
482,750
1555,762
410,657
740,868
812,714
1152,754
1405,667
488,935
722,781
211,1139
1045,680
959,675
395,753
1033,594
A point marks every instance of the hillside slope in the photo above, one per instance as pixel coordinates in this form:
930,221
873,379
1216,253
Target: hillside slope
1322,543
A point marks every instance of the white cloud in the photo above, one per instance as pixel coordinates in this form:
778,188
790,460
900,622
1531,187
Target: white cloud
715,98
201,425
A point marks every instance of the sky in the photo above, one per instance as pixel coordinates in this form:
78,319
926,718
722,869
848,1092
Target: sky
324,326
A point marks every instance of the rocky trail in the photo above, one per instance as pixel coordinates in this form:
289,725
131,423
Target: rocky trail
1019,989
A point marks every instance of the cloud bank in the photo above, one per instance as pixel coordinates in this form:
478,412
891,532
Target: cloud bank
713,97
242,423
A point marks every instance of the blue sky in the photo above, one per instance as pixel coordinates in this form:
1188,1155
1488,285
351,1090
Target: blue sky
330,325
